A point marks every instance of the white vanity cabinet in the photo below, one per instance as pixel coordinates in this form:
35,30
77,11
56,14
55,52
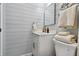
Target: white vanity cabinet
43,44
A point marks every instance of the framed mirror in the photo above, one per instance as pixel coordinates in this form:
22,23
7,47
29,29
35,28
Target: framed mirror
50,14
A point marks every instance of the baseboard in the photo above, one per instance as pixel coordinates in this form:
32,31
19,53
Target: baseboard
28,54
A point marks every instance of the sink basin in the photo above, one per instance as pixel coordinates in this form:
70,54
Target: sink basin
39,32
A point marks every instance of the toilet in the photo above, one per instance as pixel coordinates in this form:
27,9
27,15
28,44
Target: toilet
64,49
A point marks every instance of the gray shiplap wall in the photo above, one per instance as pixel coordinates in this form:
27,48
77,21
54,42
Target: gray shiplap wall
18,19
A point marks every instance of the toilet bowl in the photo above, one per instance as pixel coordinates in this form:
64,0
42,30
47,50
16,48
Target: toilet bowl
64,49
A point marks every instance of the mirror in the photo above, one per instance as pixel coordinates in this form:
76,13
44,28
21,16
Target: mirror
49,16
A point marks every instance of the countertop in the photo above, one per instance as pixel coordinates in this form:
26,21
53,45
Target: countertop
43,33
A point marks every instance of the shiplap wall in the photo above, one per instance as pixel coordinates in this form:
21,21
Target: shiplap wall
18,19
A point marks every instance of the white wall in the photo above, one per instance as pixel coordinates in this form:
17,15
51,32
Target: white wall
18,19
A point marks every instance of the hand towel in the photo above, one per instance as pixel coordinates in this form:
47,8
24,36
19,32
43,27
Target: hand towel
68,17
66,39
64,33
62,21
71,16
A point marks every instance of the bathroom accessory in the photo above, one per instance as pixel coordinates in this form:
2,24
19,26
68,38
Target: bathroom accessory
63,33
34,26
66,39
71,16
67,17
46,29
64,49
72,19
62,19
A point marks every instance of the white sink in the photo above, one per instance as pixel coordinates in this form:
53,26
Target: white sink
39,32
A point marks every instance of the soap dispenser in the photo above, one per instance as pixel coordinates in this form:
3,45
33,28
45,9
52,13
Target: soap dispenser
44,29
47,29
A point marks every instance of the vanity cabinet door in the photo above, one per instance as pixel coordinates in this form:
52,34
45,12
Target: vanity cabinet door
35,45
45,44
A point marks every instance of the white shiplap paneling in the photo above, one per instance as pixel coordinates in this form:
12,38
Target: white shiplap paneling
18,26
